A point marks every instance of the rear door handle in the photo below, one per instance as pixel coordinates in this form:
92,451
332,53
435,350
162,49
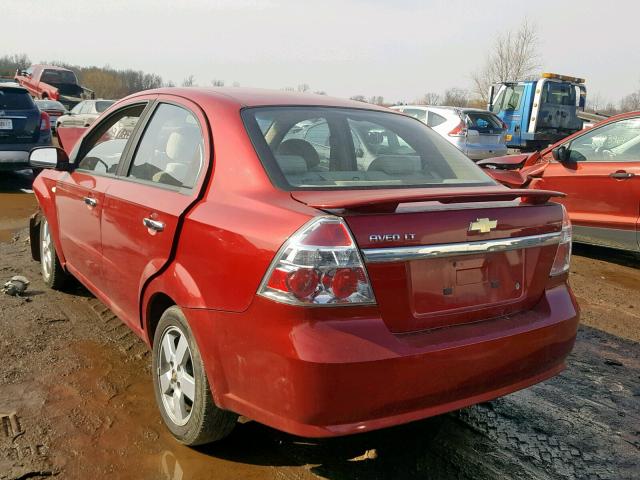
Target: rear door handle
152,224
622,175
92,202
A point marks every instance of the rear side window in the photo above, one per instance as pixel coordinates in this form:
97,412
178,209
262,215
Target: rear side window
171,151
416,113
366,149
434,119
483,122
15,99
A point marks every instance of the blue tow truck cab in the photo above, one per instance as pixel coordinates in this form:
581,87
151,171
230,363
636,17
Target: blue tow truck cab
539,112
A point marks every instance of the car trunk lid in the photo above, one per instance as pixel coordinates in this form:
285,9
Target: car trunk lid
446,258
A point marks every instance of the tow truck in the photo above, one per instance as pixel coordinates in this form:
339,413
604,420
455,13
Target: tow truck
53,83
539,112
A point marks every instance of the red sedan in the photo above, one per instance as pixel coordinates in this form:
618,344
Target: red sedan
598,169
277,275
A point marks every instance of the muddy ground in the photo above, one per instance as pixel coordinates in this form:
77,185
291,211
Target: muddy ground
76,399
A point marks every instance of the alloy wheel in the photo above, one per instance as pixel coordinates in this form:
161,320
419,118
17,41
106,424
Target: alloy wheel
46,251
175,376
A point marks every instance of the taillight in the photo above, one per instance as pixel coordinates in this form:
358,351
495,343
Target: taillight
460,130
319,265
504,125
563,254
45,122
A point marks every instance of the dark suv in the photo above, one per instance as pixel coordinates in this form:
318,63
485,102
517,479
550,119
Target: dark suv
22,127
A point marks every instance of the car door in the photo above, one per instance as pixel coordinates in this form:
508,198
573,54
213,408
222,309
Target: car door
602,181
80,194
143,208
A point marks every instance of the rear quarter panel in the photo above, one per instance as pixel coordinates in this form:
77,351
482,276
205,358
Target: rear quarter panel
44,189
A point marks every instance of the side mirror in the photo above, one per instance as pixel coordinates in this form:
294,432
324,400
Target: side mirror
560,154
49,157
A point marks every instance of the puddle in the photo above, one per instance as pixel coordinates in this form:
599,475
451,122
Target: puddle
17,203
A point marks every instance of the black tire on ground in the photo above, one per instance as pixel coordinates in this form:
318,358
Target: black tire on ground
52,273
206,422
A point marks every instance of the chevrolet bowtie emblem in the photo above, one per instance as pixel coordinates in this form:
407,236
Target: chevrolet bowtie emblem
483,225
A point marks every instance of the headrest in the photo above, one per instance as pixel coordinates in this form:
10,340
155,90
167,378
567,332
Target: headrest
396,164
181,145
291,164
302,148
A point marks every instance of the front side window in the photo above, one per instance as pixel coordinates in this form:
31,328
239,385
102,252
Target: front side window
106,143
171,151
512,97
615,142
367,149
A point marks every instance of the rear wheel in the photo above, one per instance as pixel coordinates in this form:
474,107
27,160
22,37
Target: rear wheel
52,272
181,387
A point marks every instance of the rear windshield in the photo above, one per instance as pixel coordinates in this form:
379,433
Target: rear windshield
49,105
58,77
336,148
15,99
483,122
557,93
101,105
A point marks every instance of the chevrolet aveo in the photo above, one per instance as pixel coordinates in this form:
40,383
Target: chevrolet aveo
296,284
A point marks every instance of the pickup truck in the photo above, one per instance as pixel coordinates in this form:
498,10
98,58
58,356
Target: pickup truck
53,83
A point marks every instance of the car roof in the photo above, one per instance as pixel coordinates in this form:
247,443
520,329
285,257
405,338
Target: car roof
51,67
16,86
257,97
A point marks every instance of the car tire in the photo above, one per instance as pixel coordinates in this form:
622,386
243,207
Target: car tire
178,373
52,272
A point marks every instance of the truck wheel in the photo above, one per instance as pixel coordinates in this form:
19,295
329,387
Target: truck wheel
52,272
181,387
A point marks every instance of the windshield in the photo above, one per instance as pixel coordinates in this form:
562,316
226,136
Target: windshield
102,105
58,77
320,147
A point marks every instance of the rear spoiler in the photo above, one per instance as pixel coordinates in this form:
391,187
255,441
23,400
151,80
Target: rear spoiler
388,200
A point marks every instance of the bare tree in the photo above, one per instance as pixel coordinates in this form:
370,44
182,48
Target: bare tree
514,56
217,83
320,92
456,97
429,98
376,99
303,87
235,84
189,81
630,102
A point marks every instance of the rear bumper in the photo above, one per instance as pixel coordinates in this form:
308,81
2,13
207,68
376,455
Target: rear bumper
16,156
290,369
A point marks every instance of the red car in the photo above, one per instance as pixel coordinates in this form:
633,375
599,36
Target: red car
290,284
598,169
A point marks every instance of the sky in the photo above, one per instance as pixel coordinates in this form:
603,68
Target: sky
397,49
